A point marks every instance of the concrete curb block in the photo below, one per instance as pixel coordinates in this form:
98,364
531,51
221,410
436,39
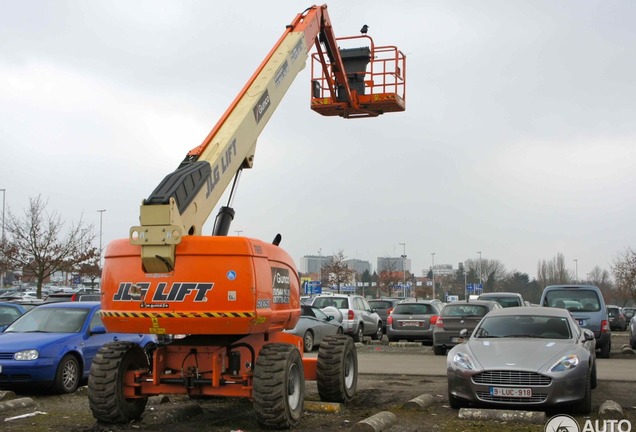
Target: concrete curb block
626,349
6,395
158,400
420,402
16,403
376,423
532,417
326,407
610,410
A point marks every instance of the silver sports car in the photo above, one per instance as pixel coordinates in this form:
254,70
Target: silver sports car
530,357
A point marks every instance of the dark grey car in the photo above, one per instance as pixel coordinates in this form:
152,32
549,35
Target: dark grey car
413,321
457,316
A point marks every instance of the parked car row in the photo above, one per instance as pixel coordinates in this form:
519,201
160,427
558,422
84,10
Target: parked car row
532,357
52,346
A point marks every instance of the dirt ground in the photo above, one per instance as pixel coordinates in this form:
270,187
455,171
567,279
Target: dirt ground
375,393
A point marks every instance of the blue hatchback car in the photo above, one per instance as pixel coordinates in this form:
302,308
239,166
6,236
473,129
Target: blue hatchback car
53,346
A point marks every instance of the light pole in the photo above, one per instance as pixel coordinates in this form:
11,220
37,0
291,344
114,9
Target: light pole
4,192
433,271
576,269
465,284
403,269
320,266
480,270
238,232
101,212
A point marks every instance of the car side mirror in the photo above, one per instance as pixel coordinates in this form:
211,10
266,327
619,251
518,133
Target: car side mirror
330,317
463,333
98,330
588,335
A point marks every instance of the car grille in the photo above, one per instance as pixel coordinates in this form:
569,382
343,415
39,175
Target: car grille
487,397
516,378
15,378
6,356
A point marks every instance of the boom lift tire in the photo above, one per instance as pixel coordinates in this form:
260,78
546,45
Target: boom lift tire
337,369
279,386
106,383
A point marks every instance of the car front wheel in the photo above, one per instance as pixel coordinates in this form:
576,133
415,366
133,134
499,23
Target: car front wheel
67,377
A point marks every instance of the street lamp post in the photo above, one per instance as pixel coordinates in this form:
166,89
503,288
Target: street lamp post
480,269
433,271
403,269
238,232
465,284
4,192
576,270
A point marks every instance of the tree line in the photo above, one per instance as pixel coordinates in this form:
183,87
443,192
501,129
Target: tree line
38,243
619,290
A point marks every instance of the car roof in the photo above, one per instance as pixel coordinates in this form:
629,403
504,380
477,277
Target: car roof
572,287
499,294
71,305
472,302
530,310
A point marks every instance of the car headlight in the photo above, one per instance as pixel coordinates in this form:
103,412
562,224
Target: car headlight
463,361
26,355
568,362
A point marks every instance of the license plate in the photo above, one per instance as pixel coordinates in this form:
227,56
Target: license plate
0,368
410,324
581,322
511,392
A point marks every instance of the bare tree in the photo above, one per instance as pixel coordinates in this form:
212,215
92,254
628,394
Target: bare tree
553,272
338,272
36,244
492,272
624,270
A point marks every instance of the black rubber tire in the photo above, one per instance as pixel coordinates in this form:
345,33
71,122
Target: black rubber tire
359,335
106,383
605,350
455,402
593,377
337,369
439,350
67,377
585,405
308,341
378,333
279,386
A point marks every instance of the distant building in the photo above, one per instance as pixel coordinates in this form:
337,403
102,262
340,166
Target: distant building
398,264
359,266
313,263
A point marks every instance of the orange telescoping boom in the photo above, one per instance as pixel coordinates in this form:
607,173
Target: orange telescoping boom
218,303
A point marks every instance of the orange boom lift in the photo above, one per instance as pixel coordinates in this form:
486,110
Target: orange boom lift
220,304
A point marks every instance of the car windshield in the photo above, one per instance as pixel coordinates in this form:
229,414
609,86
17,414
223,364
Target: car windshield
580,300
504,301
381,304
337,302
50,320
413,309
465,310
524,326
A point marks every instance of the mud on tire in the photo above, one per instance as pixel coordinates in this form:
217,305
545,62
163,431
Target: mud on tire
337,369
106,383
279,386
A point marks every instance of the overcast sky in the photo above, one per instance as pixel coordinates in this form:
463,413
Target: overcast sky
517,141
